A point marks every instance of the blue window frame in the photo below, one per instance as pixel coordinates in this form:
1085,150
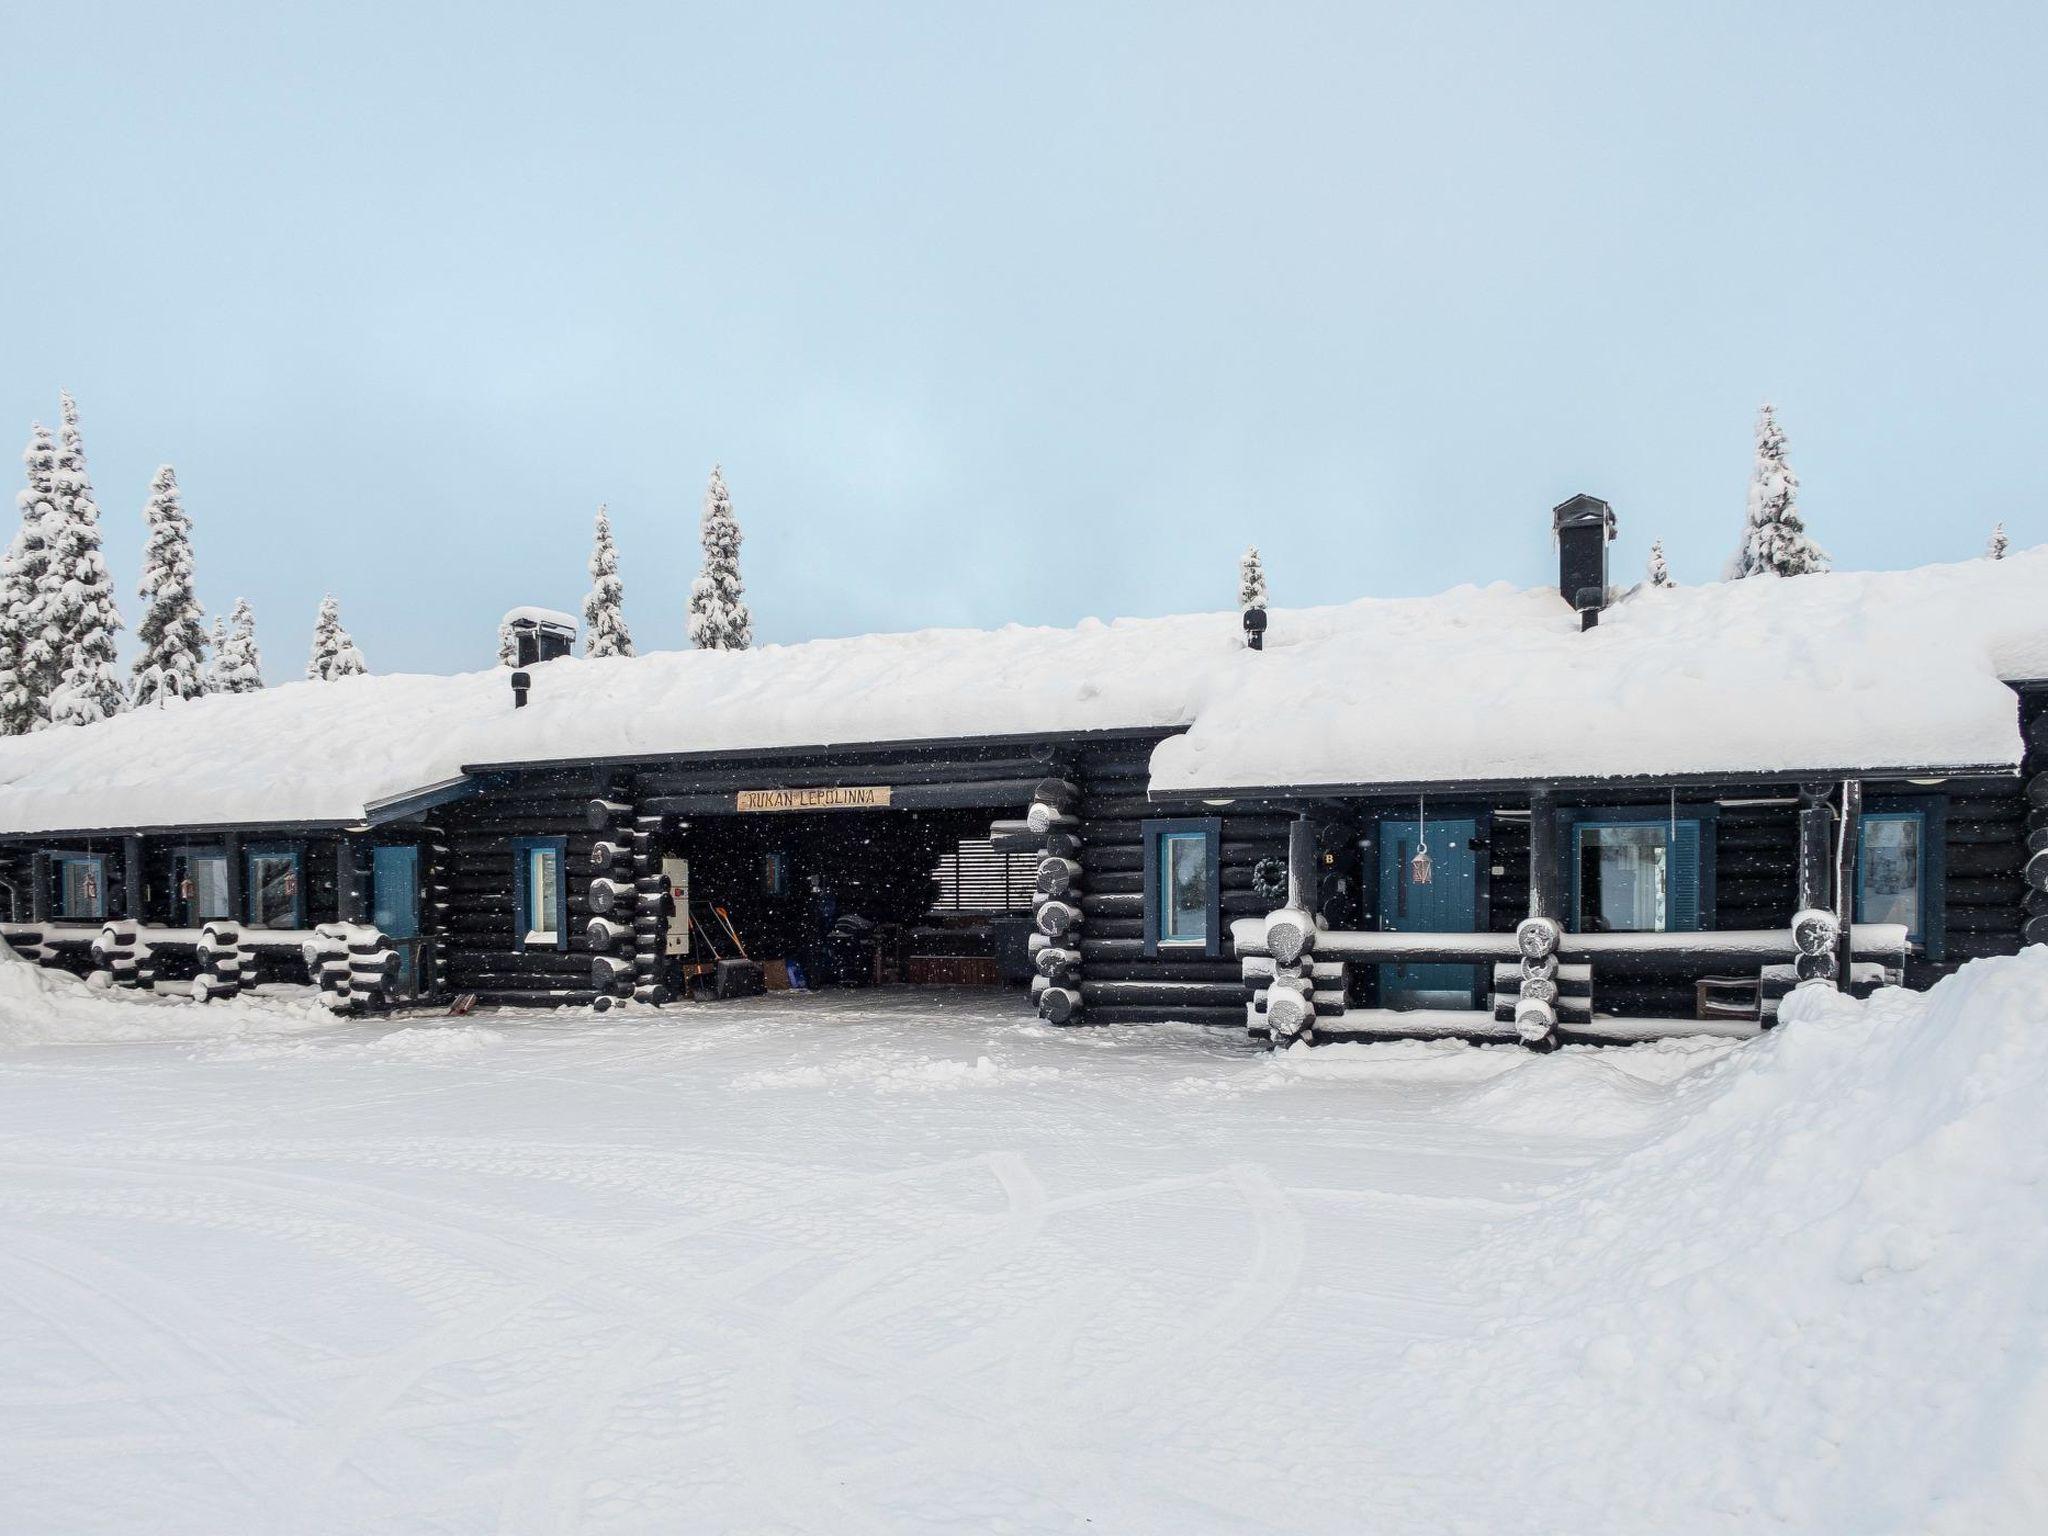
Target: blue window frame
81,887
1899,867
1183,885
1638,869
540,906
273,890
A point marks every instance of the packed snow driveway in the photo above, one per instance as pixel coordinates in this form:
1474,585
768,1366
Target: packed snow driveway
910,1263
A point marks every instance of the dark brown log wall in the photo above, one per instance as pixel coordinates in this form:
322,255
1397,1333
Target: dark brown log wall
1120,984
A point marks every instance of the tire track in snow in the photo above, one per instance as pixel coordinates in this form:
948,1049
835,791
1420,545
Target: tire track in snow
768,1442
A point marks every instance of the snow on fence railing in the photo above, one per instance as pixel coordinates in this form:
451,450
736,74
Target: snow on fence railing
1544,983
353,965
351,962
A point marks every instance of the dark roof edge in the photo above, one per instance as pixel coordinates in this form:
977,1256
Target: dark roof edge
834,748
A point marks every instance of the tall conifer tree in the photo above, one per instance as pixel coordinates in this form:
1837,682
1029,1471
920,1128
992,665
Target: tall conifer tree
719,620
1774,541
77,597
173,657
334,653
604,612
26,653
237,665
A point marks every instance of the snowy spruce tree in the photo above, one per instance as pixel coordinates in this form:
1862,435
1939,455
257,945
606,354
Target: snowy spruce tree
508,646
237,665
25,651
604,613
210,682
1774,541
76,602
1995,550
1660,573
334,653
1251,581
719,620
173,658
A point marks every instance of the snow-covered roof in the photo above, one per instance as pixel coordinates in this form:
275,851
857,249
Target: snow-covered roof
1851,671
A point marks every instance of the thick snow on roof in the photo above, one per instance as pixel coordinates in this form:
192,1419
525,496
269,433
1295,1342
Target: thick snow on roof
1892,669
1849,670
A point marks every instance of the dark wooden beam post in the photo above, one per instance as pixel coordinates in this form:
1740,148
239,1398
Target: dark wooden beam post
231,847
349,897
1546,896
1302,884
39,887
1845,877
132,875
1816,849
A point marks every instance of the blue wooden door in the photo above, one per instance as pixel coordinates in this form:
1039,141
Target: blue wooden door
1448,904
395,909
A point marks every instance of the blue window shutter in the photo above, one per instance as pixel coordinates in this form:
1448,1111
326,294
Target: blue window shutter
1683,879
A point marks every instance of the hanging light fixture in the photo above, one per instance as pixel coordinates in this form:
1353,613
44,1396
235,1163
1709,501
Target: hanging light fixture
1421,869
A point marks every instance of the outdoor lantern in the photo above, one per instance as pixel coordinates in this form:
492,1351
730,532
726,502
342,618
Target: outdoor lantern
1420,868
1255,628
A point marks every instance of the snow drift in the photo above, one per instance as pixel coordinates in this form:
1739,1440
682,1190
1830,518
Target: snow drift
1816,1298
1886,670
49,1007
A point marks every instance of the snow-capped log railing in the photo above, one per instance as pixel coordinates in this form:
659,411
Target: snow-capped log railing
1567,989
41,941
611,930
353,964
1479,1025
1297,988
1051,830
118,953
1773,954
220,961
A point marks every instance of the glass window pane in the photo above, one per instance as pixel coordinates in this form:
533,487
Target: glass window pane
202,887
1184,897
1889,891
1623,879
83,892
541,902
273,890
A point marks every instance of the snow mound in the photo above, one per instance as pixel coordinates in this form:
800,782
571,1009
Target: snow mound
47,1007
1818,1295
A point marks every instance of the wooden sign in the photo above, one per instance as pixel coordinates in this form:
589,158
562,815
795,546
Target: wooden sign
837,798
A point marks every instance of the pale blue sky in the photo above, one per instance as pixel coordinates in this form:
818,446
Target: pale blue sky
1025,312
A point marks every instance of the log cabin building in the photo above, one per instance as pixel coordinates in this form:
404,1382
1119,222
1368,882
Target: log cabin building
1573,813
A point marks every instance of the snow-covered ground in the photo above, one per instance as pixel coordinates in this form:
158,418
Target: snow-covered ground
910,1263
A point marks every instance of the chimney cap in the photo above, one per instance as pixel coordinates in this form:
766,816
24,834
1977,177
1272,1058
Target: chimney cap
1582,511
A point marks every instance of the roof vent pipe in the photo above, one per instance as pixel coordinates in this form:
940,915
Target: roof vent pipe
1584,526
522,684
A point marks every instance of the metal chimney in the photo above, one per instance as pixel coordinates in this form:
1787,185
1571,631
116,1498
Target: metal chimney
1584,526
